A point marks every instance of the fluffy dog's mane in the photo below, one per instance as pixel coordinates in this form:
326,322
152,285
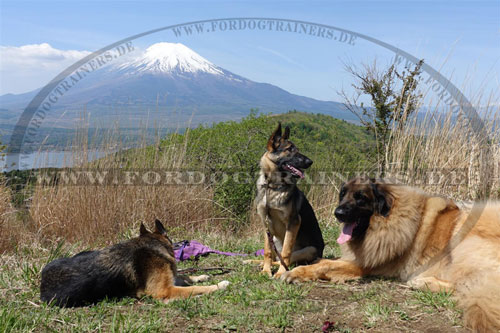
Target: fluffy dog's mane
394,242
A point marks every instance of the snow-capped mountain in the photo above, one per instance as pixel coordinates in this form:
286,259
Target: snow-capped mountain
172,78
168,58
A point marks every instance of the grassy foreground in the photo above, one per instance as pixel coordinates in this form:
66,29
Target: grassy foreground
34,220
251,303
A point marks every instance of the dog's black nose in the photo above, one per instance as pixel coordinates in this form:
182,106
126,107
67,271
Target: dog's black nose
341,213
308,162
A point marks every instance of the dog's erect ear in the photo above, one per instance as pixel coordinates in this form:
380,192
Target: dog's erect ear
274,139
382,201
159,228
287,134
143,230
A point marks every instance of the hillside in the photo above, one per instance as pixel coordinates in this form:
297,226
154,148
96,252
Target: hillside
234,149
240,144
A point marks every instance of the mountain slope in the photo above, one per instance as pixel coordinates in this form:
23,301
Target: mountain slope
170,78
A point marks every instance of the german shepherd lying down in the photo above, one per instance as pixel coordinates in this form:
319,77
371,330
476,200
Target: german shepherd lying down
144,265
425,240
283,208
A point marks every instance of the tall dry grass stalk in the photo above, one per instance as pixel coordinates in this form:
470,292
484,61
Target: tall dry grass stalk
437,152
441,154
94,214
5,202
9,233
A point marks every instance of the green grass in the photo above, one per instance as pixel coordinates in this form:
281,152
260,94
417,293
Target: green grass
437,301
252,302
375,311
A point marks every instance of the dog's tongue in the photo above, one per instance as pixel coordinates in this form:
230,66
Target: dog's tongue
295,171
346,233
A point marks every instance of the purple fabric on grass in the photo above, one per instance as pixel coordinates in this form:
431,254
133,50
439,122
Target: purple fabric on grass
192,249
259,252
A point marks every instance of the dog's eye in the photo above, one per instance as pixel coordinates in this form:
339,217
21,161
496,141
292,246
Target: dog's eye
360,197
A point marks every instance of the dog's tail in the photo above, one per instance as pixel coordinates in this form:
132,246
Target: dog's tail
480,299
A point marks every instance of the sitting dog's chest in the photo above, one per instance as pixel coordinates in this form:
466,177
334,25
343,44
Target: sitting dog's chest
277,221
275,208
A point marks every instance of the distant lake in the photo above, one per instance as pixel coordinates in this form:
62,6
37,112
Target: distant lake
51,159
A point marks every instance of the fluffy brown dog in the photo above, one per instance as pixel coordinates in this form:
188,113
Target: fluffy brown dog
428,241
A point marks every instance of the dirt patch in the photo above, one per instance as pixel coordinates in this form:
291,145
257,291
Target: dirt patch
375,306
368,306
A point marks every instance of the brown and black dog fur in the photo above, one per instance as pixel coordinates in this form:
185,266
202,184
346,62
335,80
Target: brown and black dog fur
427,241
283,208
141,266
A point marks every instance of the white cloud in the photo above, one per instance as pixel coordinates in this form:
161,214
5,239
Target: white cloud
37,55
27,67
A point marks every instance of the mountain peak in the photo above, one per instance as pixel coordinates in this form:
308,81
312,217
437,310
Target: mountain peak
170,58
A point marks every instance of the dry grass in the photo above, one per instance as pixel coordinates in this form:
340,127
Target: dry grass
5,204
10,234
442,155
91,214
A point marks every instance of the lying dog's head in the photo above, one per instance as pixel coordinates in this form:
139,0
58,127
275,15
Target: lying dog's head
160,234
285,155
359,199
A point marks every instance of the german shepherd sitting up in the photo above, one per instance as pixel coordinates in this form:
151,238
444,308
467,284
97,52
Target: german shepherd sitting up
144,265
283,208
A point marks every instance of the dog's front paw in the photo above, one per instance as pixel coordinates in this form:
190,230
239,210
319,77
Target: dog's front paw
279,273
202,278
267,272
223,285
431,284
296,275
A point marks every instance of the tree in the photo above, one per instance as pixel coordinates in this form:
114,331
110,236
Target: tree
393,99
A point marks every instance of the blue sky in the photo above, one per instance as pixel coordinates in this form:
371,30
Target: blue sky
459,38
